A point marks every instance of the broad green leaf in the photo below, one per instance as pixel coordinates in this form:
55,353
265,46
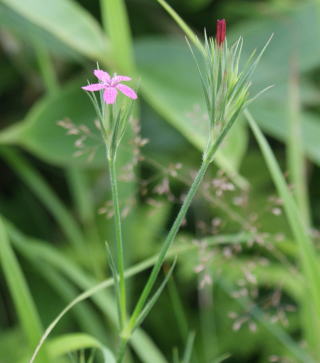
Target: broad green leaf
40,134
288,41
26,33
288,44
9,340
67,21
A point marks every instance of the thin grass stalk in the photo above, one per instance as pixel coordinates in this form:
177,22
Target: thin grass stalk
165,247
25,308
42,190
46,68
78,185
116,24
178,309
182,24
132,271
119,241
296,159
307,252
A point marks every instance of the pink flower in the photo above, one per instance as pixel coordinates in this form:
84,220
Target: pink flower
111,86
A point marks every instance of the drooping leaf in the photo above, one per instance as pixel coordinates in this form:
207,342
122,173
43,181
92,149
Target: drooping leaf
72,342
67,21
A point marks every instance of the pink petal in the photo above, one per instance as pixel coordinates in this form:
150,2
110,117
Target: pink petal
93,87
118,79
110,95
127,91
102,75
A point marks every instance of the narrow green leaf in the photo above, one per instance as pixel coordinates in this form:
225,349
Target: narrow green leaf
71,342
295,155
188,349
222,358
176,355
141,343
175,92
182,24
149,305
307,252
46,68
43,191
116,24
20,293
178,309
115,276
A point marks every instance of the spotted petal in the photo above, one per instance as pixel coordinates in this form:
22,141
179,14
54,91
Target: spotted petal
129,92
102,75
110,95
93,87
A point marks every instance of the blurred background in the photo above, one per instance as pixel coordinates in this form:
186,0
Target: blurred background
237,286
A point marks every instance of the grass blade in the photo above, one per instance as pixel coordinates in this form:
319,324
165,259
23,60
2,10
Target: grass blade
307,253
71,342
155,297
182,24
43,191
295,155
116,25
141,343
189,347
19,290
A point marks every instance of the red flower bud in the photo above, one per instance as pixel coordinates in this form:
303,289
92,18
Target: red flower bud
221,31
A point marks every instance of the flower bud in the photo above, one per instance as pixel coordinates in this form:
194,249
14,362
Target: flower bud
221,31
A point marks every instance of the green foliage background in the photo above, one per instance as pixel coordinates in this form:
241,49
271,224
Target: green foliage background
51,236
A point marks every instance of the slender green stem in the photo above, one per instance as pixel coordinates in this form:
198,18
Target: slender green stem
119,241
122,349
116,24
296,159
46,68
178,309
167,244
307,251
182,24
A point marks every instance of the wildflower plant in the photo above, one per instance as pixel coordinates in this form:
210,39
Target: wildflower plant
226,92
225,84
113,118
